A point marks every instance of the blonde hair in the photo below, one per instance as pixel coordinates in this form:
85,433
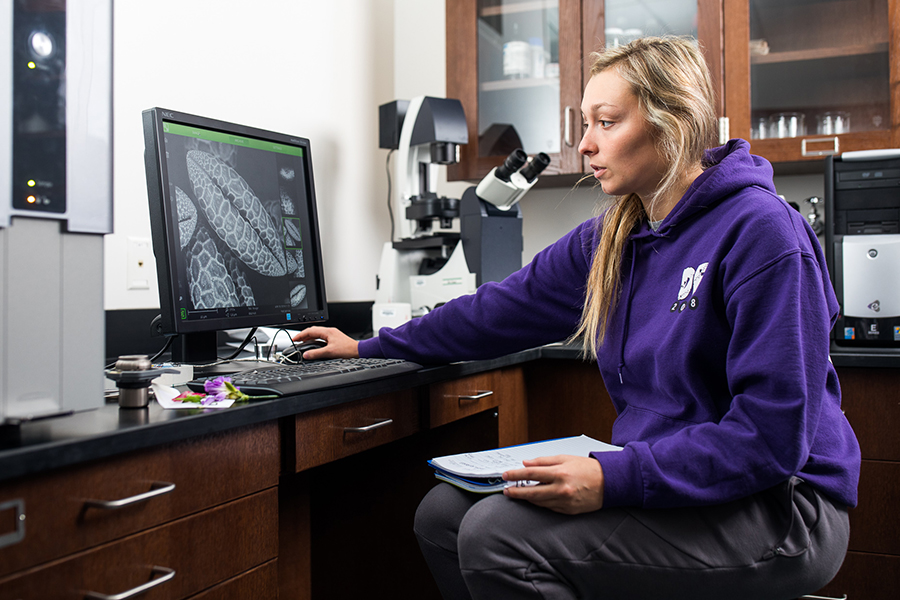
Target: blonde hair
671,81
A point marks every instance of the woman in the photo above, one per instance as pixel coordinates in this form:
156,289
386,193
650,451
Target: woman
705,300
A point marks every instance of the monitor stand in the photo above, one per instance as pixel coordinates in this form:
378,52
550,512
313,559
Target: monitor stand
201,350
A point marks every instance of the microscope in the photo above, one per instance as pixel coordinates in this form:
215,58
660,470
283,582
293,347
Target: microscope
491,220
431,264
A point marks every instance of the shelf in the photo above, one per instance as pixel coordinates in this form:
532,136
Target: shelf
817,53
516,84
519,7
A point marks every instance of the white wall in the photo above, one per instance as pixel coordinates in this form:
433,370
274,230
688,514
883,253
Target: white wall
310,68
420,62
304,67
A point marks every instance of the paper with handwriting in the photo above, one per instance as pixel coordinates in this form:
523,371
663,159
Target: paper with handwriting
493,463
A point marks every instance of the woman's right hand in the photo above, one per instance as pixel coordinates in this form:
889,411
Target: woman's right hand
338,344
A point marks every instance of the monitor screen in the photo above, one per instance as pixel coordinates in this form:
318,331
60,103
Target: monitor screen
234,227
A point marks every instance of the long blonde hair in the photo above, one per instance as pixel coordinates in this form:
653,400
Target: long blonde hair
671,81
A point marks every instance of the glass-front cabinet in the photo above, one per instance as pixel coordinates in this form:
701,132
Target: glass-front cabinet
519,68
810,78
518,77
515,66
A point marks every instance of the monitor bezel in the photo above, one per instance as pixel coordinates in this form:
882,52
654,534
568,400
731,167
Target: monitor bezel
160,218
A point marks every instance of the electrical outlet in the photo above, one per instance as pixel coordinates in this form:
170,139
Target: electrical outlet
139,265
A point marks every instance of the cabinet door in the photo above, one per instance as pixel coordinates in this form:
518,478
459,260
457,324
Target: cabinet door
612,23
519,68
452,400
172,561
328,434
809,79
72,509
516,67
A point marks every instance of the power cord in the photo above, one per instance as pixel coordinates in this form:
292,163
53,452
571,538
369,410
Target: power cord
387,168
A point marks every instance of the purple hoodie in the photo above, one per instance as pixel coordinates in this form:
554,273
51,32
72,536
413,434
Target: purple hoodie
716,355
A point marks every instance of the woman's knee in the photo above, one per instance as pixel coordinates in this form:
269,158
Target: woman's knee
439,515
483,529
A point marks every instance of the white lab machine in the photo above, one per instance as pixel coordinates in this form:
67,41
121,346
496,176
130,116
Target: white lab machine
55,205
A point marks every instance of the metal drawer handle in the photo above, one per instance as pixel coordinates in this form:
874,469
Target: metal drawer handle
476,396
14,537
166,573
805,152
810,597
158,488
375,425
569,119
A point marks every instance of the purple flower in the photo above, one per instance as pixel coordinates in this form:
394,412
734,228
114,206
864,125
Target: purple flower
221,388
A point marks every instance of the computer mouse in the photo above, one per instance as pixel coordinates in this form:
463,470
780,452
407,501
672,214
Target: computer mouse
295,352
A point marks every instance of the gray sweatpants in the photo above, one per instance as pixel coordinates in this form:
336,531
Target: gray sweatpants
779,544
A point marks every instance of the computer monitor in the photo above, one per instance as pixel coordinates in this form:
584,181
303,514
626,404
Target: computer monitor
234,227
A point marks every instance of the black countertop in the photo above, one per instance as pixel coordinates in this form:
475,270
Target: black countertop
44,444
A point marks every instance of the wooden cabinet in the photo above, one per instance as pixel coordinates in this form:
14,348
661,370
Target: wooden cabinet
534,103
328,434
280,509
503,390
522,109
567,397
205,509
449,401
872,567
800,80
341,506
180,558
808,79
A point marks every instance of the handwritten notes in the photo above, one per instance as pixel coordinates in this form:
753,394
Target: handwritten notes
492,463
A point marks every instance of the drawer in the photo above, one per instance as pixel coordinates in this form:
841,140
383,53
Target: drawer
865,577
329,434
871,400
260,583
874,524
203,550
62,512
449,401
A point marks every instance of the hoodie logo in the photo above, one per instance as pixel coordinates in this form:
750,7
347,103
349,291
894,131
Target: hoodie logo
690,281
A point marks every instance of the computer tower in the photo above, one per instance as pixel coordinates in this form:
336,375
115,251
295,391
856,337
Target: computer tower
862,247
55,203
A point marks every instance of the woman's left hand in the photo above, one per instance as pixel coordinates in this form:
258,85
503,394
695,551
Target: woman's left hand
567,484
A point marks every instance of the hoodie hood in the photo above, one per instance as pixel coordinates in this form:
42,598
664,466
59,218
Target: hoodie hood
729,169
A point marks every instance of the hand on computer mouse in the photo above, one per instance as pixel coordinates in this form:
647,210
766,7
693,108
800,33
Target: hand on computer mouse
297,352
326,342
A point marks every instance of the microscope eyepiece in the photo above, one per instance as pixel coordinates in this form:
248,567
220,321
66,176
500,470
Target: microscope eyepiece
512,164
535,167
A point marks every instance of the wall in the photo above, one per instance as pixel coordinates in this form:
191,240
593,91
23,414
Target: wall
316,69
305,67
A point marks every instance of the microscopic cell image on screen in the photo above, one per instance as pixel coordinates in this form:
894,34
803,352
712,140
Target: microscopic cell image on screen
242,215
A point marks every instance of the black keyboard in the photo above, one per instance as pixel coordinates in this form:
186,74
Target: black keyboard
285,380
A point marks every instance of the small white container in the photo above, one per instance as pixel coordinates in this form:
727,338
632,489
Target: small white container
787,125
393,314
833,122
760,129
517,59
